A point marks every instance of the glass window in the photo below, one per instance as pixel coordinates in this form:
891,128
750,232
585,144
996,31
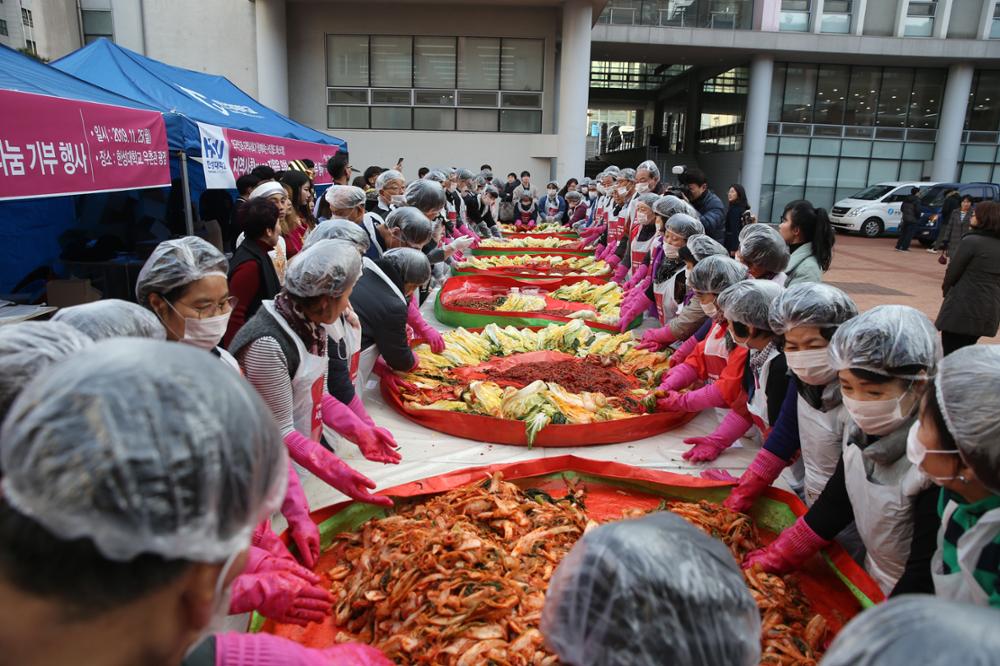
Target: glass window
794,146
914,150
975,172
909,170
96,24
521,63
477,120
355,96
862,97
825,147
995,26
831,94
434,97
984,107
777,92
433,119
852,173
347,117
526,100
800,91
791,170
479,62
894,97
768,175
3,27
980,153
919,18
794,16
347,60
887,149
881,171
836,16
925,98
391,97
392,117
392,62
822,172
434,62
521,121
466,98
26,18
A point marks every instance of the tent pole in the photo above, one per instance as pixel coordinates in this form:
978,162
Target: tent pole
188,219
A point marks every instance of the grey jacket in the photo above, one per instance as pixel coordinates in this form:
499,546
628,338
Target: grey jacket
803,266
972,288
951,233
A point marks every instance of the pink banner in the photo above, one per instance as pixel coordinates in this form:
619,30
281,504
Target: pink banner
227,154
51,146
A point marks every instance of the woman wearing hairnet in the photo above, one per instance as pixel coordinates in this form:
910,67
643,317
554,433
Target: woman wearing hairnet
714,360
348,203
956,443
620,216
639,241
93,557
650,591
884,358
811,421
389,185
764,252
428,197
283,352
112,318
552,206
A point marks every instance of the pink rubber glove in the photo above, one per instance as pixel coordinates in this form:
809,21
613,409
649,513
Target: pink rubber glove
263,537
260,561
707,449
282,596
682,352
692,401
631,310
233,649
593,232
718,475
679,377
638,274
620,272
424,330
376,444
359,410
332,470
759,476
301,527
789,551
656,339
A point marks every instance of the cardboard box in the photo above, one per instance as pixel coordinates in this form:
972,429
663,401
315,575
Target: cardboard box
75,291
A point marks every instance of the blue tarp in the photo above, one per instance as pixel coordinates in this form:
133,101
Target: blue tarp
182,95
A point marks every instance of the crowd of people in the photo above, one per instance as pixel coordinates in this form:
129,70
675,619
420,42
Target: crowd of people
140,475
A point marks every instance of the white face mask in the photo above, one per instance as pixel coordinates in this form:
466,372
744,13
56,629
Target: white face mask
739,343
205,333
641,188
916,452
811,366
553,193
877,417
709,308
623,191
397,200
592,194
671,252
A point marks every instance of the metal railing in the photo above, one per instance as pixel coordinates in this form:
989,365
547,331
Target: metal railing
715,14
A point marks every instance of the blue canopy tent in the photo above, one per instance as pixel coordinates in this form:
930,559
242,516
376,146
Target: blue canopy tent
185,97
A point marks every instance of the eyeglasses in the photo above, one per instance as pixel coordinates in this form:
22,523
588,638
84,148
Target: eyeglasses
214,309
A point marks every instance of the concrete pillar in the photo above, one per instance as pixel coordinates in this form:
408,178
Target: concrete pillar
952,121
858,20
755,126
816,16
272,54
901,8
574,89
942,18
986,19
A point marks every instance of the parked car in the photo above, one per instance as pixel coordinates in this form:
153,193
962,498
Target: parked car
874,210
933,198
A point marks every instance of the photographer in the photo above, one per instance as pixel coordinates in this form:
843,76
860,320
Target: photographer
707,203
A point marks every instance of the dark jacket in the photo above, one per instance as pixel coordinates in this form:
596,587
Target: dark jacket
267,283
910,209
951,203
542,204
952,230
383,316
713,215
972,288
734,223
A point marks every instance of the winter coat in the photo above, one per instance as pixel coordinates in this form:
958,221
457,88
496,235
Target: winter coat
972,288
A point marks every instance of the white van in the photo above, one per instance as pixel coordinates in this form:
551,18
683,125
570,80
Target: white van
875,210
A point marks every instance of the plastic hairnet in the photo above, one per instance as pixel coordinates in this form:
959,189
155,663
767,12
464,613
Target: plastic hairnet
650,166
464,174
175,263
627,174
340,229
27,348
702,245
612,171
325,268
112,318
669,205
918,630
685,225
648,199
144,446
712,275
436,175
749,302
412,265
811,304
552,183
344,197
573,196
426,195
491,190
763,247
414,227
651,591
968,393
885,339
386,176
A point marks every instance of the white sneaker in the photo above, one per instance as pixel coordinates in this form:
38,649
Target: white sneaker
932,250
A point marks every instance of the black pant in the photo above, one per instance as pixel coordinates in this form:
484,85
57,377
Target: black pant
906,233
952,341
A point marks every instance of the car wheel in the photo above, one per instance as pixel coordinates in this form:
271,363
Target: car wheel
872,227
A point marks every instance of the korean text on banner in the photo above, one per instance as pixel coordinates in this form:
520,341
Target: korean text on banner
51,146
227,154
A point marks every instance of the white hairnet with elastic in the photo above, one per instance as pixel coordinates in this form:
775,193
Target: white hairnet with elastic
112,318
684,225
464,174
647,199
749,302
650,166
612,171
325,268
344,197
426,195
702,245
143,446
648,592
387,177
918,630
627,174
967,389
574,195
436,175
763,247
177,263
714,274
888,340
669,205
28,347
267,189
811,304
414,227
412,265
340,229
